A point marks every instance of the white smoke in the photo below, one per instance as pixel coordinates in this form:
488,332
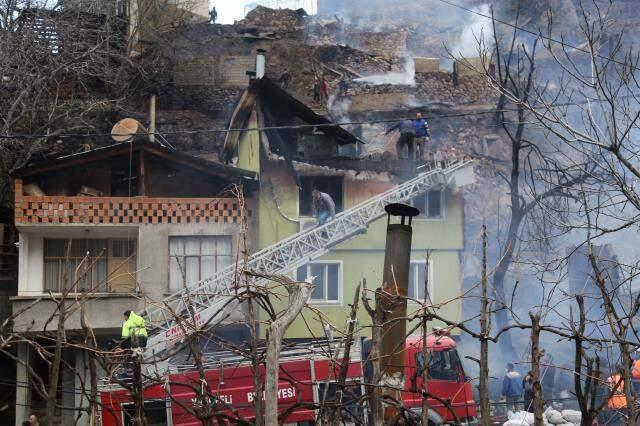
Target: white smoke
406,77
479,28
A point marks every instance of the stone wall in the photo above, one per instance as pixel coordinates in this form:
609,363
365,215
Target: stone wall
426,65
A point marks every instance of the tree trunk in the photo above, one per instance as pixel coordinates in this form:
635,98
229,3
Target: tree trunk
538,403
137,392
56,364
255,363
344,364
298,295
483,387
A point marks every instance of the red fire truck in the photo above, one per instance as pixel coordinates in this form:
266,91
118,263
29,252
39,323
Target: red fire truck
305,373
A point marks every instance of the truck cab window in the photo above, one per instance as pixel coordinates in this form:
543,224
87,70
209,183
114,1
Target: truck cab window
442,365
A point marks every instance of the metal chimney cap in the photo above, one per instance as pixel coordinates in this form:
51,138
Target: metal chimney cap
397,209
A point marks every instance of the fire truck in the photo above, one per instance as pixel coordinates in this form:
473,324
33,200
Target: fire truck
308,374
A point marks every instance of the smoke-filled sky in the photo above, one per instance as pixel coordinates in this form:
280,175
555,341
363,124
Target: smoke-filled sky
233,10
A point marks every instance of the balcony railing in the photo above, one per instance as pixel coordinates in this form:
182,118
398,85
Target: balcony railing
124,210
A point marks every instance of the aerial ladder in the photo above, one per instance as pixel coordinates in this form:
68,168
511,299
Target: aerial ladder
210,301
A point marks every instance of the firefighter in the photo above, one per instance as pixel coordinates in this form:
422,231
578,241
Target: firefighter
407,137
134,330
617,404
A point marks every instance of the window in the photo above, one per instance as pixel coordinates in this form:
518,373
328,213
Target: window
331,185
155,412
327,281
60,274
430,204
192,259
443,365
110,265
416,280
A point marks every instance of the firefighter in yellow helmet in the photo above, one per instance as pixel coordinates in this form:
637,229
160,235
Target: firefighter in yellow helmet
134,330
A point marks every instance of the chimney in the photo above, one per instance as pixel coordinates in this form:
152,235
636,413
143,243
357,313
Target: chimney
393,297
261,61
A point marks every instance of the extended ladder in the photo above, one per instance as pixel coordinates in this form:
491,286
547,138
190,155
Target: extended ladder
209,301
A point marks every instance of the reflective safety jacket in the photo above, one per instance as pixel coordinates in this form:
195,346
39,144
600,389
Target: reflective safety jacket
618,399
134,326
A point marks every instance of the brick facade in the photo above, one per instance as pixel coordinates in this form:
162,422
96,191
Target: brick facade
122,210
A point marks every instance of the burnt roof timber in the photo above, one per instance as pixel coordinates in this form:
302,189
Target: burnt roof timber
200,164
267,87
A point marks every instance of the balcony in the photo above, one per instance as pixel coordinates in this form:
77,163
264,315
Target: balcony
31,210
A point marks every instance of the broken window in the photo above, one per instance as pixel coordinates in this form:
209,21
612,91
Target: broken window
327,279
192,259
430,204
331,185
416,281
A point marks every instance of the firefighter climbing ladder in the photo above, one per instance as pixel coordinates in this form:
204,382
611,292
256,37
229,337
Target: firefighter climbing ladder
210,301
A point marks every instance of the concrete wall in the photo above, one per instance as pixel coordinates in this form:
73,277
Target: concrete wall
153,252
152,273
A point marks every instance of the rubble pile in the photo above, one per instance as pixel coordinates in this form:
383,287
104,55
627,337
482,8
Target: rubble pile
345,59
263,17
550,417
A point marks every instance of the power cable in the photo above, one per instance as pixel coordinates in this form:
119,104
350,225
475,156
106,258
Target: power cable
430,117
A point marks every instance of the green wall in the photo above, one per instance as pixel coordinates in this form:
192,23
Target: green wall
363,256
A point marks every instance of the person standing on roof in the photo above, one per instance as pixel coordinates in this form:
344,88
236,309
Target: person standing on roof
324,207
213,15
316,90
422,135
324,91
134,330
407,137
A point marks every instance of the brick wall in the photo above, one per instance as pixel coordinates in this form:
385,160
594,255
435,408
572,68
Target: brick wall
122,210
219,71
233,70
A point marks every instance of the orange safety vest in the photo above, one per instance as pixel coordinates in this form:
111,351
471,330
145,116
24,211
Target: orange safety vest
635,369
618,399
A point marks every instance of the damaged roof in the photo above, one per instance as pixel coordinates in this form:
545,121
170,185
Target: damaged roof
268,90
205,166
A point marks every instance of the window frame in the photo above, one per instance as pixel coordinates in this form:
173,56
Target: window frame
199,256
443,209
101,287
324,301
421,264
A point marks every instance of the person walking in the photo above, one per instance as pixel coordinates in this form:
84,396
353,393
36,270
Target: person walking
527,385
407,137
134,330
512,388
422,135
324,208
